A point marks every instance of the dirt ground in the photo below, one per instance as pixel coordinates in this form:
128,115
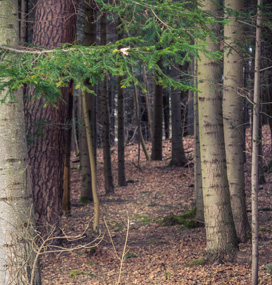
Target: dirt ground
132,222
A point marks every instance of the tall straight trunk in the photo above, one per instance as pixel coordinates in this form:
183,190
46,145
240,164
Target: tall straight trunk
197,159
92,161
147,105
255,150
109,188
178,154
157,122
17,263
85,168
220,231
121,129
66,202
121,136
54,24
233,119
166,115
141,138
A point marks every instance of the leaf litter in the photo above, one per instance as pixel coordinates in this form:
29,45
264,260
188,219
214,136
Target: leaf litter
155,253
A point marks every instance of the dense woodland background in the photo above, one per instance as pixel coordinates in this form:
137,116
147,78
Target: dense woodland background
140,131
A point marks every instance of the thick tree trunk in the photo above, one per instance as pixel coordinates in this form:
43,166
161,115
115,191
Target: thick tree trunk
109,188
233,120
220,231
54,24
17,265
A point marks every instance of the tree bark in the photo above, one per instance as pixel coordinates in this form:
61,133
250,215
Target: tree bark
233,119
54,24
220,231
17,265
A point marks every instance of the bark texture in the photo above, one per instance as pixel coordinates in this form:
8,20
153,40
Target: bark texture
17,256
220,231
233,119
54,24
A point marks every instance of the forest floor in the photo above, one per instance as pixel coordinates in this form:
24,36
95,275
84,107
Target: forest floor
155,253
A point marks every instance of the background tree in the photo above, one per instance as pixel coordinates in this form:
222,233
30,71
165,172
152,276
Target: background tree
89,38
109,188
178,154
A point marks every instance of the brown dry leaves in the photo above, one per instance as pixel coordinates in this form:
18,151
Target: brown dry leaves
155,254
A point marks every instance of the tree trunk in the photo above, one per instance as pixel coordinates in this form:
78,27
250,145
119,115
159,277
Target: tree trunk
109,188
147,105
233,119
17,265
85,168
92,162
166,115
178,155
54,24
121,137
197,161
66,204
220,231
157,123
255,150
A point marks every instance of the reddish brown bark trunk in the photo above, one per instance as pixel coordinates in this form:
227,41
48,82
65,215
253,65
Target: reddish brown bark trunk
54,24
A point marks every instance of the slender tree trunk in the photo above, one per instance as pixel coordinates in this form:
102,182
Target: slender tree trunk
23,23
141,138
178,154
220,231
121,129
54,24
255,150
147,105
17,264
157,123
85,168
197,159
66,203
74,124
92,162
166,115
233,119
109,188
121,136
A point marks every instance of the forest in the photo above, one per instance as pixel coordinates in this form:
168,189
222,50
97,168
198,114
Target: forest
136,142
